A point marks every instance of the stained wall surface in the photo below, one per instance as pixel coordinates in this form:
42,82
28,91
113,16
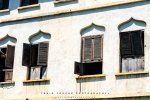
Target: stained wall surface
65,31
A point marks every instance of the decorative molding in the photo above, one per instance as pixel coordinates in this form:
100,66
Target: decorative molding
129,21
7,36
89,76
28,6
11,82
78,9
38,80
92,24
40,31
5,10
131,73
61,1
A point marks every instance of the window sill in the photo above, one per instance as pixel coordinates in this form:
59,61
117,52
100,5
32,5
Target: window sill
39,80
62,1
28,6
131,73
5,10
11,82
90,76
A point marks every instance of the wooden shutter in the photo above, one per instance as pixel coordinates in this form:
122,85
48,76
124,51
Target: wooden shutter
8,75
25,2
5,4
1,4
10,56
125,44
78,68
26,58
137,43
87,49
35,72
97,48
42,53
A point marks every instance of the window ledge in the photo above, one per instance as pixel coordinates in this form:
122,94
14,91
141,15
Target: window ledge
61,1
38,80
5,10
131,73
90,76
11,82
28,6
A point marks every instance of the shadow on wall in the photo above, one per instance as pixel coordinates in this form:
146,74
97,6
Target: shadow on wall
38,37
132,24
36,83
7,40
132,76
7,86
66,3
92,30
5,13
28,10
42,1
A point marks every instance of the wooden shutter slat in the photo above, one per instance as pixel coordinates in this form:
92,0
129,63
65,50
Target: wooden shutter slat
87,49
42,53
10,56
97,48
137,43
77,68
26,58
126,50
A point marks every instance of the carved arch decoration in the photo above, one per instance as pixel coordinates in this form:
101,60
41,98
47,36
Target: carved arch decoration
39,33
91,27
7,38
129,23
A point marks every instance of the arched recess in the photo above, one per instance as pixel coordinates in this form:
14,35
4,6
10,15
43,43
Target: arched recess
92,29
40,36
7,40
131,25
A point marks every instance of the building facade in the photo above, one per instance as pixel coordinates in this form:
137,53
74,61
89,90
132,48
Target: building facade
74,49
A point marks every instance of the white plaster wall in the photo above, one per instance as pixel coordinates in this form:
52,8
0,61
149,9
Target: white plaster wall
64,49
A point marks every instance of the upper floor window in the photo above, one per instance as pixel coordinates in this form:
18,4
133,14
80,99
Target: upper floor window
28,2
132,51
91,56
4,4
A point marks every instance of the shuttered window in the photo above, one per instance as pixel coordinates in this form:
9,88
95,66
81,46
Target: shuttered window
132,44
132,51
4,4
92,49
28,2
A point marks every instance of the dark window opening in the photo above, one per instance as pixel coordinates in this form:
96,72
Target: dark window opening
28,2
92,68
4,4
34,55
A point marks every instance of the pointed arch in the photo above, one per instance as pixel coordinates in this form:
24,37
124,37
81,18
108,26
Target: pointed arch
92,29
7,40
38,35
132,24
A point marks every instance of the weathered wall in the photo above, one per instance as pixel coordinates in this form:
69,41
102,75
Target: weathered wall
65,32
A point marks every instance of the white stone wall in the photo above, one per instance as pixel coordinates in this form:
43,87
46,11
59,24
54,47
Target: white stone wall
65,32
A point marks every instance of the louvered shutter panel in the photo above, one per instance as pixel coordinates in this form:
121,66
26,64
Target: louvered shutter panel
10,56
125,45
5,4
137,43
26,58
42,53
97,48
77,68
87,49
1,4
